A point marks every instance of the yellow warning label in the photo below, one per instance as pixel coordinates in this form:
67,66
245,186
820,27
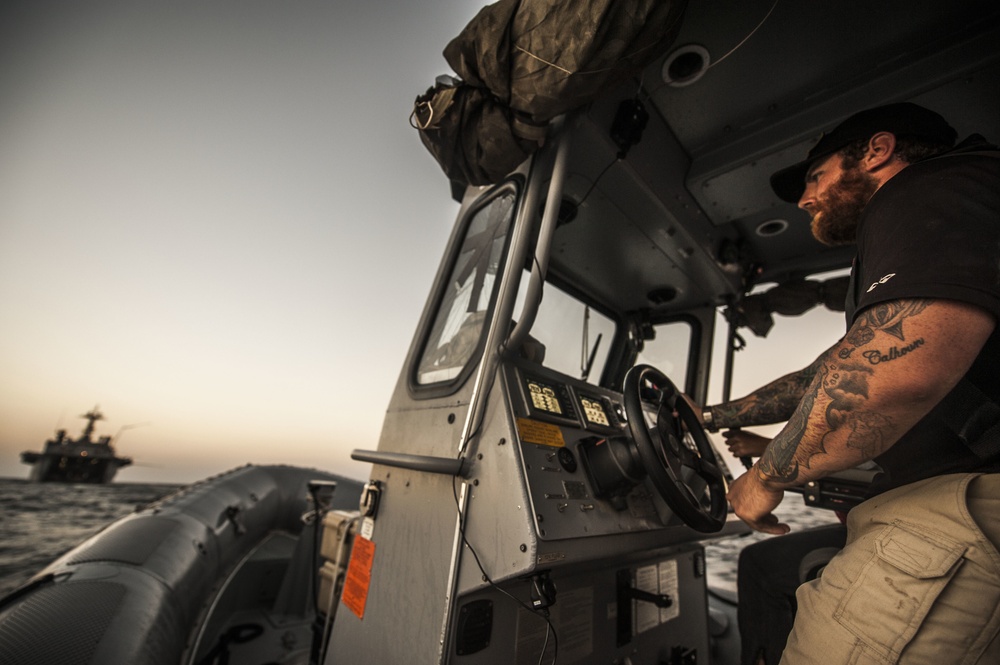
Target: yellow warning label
532,431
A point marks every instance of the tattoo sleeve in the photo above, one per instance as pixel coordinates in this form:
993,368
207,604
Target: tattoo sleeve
778,461
837,409
772,403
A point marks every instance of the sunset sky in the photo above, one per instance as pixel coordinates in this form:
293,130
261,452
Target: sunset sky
215,219
217,224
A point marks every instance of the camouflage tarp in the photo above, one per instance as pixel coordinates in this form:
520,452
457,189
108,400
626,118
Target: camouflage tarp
534,60
470,134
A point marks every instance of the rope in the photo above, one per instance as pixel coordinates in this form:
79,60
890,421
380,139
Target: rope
752,32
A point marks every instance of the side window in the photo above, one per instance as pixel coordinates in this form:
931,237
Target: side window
669,351
458,324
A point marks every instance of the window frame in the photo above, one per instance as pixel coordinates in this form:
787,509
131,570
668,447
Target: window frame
422,391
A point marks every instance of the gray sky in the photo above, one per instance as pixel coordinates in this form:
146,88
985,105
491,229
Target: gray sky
216,219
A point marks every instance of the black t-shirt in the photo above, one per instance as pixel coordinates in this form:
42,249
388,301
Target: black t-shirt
933,231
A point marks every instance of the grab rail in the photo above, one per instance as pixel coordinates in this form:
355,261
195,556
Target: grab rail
450,466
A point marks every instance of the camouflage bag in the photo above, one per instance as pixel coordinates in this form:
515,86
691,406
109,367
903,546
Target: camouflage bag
474,138
524,62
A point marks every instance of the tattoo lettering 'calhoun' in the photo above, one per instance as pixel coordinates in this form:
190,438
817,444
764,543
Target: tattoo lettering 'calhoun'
841,390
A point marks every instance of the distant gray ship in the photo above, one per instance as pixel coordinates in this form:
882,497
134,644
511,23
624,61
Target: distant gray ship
81,461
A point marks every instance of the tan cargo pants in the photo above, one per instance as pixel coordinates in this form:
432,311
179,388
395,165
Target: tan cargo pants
918,581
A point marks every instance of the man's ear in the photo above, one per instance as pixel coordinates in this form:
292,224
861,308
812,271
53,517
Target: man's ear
881,149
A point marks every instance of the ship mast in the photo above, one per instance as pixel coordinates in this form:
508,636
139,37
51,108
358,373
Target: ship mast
92,416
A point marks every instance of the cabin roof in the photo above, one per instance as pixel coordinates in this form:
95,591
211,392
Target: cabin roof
688,211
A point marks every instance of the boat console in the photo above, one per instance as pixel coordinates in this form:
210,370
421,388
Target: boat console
582,469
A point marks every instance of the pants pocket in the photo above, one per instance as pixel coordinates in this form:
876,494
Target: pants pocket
896,589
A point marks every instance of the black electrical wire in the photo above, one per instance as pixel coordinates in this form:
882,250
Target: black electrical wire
465,541
488,580
597,180
543,614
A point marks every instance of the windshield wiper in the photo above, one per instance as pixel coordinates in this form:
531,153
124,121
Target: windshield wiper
587,362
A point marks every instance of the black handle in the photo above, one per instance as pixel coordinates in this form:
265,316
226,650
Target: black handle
450,466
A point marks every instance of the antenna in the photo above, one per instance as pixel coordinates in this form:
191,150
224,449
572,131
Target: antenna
125,427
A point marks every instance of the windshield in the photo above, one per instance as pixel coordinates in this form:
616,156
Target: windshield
669,351
576,338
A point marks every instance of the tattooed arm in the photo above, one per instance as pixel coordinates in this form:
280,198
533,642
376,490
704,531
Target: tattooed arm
898,360
773,403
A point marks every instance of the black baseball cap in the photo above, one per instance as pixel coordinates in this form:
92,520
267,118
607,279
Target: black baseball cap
903,119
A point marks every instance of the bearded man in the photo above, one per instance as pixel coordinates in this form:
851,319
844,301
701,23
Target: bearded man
914,385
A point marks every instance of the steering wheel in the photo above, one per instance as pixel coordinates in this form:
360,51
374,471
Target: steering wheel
665,452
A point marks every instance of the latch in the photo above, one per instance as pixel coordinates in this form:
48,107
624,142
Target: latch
370,496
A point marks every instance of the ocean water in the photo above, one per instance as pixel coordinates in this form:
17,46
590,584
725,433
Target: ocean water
41,521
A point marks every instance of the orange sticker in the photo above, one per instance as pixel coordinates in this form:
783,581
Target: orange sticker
359,576
544,434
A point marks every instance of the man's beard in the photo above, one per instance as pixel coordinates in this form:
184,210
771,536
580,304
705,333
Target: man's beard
836,215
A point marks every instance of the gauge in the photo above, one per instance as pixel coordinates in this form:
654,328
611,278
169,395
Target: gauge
544,398
593,411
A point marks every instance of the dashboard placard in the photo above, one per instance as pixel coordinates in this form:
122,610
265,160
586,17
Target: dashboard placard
544,434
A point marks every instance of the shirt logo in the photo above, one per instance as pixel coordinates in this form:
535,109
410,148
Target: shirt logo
881,281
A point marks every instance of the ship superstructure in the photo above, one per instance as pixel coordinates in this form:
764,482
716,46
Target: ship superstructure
83,460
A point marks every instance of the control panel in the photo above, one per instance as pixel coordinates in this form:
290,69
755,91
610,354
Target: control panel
560,424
